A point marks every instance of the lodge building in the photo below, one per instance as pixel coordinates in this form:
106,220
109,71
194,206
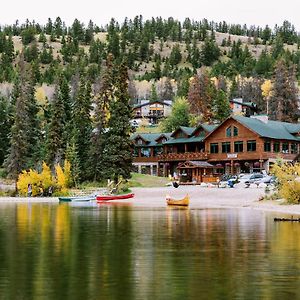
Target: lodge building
239,144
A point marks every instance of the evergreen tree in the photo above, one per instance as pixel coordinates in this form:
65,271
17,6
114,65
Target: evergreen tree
55,142
117,155
5,127
221,108
102,105
167,91
82,128
153,93
283,103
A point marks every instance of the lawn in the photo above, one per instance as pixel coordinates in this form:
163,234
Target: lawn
141,180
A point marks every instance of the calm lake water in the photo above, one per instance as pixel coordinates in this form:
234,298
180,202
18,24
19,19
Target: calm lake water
59,251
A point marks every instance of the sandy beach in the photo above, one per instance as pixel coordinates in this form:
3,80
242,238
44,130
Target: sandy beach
200,197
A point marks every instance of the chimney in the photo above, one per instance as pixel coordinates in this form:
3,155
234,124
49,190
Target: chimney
262,118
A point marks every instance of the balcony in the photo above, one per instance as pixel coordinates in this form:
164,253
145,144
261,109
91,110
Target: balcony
183,156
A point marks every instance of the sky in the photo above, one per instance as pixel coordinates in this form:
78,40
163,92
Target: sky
253,12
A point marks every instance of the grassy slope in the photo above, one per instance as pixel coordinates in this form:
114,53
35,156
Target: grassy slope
141,180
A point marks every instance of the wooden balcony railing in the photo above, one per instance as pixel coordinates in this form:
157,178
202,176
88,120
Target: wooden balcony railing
183,156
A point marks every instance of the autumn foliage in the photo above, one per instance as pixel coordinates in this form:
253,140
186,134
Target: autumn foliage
288,181
41,182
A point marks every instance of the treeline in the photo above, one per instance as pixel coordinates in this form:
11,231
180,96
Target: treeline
54,48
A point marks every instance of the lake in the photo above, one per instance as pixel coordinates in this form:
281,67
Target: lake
114,251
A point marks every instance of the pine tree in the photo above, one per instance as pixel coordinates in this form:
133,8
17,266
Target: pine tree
55,142
101,117
283,103
5,127
221,108
117,150
82,127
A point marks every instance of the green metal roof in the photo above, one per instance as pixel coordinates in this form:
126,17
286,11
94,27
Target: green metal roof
271,129
193,139
150,138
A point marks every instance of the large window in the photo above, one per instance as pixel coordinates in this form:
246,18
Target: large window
276,147
214,148
228,131
267,146
235,131
251,146
285,147
226,147
238,146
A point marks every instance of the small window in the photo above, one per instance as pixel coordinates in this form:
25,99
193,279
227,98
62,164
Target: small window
238,146
285,147
228,131
276,147
267,146
140,142
214,148
226,147
294,148
235,131
251,146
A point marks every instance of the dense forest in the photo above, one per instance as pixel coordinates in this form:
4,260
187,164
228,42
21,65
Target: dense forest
63,86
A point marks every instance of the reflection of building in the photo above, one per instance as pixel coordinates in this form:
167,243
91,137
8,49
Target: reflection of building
239,144
152,110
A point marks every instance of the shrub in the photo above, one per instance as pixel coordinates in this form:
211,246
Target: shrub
288,181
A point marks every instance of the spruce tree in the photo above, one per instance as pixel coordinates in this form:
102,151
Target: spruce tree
102,104
82,127
117,157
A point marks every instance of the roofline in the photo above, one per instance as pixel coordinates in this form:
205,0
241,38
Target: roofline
231,117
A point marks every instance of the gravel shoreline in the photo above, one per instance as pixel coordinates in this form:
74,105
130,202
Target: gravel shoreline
200,197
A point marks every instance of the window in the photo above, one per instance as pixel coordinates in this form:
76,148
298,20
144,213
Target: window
145,152
235,131
228,132
140,142
251,146
214,148
226,147
285,147
276,147
135,152
294,148
267,146
158,151
238,146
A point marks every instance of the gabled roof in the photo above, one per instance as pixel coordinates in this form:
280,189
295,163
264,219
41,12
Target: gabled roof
192,139
206,127
152,102
270,129
194,164
150,138
187,130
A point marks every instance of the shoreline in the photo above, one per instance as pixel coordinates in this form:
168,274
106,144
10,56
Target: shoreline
200,197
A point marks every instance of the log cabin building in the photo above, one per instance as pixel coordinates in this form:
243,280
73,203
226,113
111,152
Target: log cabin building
238,145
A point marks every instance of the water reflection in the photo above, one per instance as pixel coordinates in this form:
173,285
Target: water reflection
50,251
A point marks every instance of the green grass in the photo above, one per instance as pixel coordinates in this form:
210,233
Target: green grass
148,129
141,180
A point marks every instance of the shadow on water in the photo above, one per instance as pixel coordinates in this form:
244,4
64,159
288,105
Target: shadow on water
111,251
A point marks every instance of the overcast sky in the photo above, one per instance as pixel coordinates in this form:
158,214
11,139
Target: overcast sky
253,12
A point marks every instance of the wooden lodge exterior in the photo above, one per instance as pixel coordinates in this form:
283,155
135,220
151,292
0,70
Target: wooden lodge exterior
202,154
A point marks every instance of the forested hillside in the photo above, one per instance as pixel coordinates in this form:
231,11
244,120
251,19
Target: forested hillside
54,77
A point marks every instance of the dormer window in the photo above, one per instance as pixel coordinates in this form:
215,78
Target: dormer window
163,140
140,142
228,131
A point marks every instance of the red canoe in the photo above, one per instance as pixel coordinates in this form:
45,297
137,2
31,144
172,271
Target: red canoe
114,197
